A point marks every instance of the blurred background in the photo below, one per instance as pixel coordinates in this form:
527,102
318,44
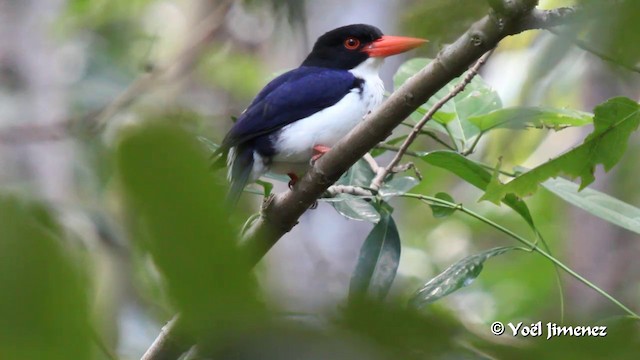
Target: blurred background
69,67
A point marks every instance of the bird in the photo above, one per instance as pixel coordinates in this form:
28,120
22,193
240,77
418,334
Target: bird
301,114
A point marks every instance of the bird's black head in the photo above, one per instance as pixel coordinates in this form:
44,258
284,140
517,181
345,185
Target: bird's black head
348,46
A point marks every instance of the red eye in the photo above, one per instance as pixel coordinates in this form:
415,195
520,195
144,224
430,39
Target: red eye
351,43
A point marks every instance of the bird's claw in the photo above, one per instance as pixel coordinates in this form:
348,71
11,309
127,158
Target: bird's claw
293,180
318,152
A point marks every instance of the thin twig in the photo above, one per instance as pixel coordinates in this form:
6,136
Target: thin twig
30,133
386,146
169,344
437,139
470,150
334,190
373,164
376,183
431,135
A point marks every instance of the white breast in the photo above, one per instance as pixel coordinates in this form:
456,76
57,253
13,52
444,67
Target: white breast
295,143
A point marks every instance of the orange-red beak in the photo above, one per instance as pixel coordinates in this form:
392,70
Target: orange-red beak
391,45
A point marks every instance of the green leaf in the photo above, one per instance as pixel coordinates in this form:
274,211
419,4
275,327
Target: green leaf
378,261
398,185
476,175
179,217
613,123
440,211
459,165
476,99
456,276
44,308
521,117
360,174
267,187
355,208
599,204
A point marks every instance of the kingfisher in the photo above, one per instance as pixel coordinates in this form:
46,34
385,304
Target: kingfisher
301,114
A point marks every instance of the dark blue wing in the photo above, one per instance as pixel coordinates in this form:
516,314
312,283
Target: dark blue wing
291,96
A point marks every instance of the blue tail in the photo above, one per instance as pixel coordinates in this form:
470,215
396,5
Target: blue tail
239,173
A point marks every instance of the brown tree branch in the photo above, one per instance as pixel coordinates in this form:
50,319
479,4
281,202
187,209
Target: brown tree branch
281,212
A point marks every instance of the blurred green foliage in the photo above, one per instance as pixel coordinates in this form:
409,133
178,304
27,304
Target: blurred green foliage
43,293
442,21
175,214
178,215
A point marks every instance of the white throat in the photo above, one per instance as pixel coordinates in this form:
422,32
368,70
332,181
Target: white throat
369,69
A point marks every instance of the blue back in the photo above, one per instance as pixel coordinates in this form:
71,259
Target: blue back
291,96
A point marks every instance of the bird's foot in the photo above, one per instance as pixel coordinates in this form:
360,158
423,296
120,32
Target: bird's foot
293,179
318,151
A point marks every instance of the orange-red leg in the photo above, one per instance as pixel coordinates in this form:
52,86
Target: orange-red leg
318,151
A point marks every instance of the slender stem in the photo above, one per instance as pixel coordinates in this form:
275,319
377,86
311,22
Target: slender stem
473,71
456,148
473,146
531,245
438,140
431,135
396,148
492,168
373,164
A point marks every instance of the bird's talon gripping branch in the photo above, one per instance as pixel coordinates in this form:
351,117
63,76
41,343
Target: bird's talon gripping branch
293,179
318,151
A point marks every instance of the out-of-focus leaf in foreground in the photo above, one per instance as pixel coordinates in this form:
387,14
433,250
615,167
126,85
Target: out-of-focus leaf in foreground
43,305
404,333
614,121
179,216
